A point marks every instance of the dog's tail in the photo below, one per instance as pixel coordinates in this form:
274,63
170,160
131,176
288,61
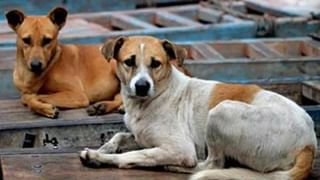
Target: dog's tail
300,170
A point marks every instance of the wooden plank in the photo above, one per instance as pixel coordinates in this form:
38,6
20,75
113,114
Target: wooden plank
311,90
295,48
68,166
215,16
43,150
73,128
264,50
245,71
168,19
253,52
83,27
126,22
207,52
234,50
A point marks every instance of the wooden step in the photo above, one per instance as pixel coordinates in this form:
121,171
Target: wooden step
68,166
19,127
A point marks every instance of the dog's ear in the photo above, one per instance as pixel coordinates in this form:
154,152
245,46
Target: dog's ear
110,49
174,52
15,18
58,16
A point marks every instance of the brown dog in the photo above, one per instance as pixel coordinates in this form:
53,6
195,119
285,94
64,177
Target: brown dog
49,75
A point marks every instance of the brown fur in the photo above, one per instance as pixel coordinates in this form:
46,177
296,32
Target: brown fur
303,164
236,92
73,76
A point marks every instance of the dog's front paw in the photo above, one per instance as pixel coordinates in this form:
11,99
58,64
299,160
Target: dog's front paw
88,158
97,109
55,113
121,109
48,110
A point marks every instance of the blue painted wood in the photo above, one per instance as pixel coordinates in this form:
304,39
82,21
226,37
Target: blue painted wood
183,26
314,112
179,34
287,27
38,7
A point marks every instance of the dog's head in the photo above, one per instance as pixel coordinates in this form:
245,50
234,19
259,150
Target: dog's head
37,36
143,63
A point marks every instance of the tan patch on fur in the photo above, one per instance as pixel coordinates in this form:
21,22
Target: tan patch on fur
236,92
303,164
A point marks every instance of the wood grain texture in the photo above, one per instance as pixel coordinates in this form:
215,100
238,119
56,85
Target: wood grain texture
68,166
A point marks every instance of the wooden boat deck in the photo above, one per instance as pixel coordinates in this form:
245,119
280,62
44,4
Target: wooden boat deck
68,166
33,147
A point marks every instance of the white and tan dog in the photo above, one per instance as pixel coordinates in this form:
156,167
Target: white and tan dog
175,118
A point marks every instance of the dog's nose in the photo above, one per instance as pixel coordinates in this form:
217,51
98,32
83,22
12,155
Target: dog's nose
142,87
36,66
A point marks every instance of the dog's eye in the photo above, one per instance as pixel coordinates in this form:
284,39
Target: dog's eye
46,41
130,62
27,40
155,63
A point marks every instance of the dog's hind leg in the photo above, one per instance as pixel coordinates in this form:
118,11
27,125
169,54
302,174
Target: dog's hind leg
105,107
119,142
66,99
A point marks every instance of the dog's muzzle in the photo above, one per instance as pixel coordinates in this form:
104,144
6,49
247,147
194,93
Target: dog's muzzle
142,87
36,66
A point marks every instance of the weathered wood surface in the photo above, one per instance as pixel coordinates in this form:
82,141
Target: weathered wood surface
179,23
160,22
73,6
73,128
68,166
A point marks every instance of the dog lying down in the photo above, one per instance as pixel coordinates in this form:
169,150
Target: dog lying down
175,118
50,75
